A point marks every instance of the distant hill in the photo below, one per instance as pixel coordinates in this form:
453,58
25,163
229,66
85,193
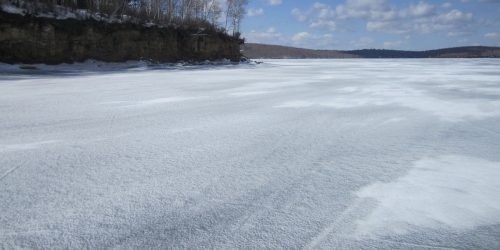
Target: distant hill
256,51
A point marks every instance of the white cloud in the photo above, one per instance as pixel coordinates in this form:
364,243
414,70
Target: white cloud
317,5
455,16
299,15
446,5
419,17
310,40
270,36
255,12
366,9
380,16
367,4
324,11
362,43
421,9
491,35
301,36
327,24
274,2
454,21
386,26
392,44
457,33
320,16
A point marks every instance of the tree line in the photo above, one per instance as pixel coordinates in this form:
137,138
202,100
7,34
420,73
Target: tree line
221,14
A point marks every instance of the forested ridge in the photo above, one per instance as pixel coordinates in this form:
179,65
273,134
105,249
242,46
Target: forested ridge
254,50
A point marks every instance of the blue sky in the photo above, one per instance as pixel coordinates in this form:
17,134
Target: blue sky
356,24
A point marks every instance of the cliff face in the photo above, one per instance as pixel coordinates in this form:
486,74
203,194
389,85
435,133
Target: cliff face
25,39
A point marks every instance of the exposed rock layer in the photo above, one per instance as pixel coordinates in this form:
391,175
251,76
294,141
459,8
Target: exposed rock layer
28,39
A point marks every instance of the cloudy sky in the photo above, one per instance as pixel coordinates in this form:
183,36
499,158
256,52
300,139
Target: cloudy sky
390,24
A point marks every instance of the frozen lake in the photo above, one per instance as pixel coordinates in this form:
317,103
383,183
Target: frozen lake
315,154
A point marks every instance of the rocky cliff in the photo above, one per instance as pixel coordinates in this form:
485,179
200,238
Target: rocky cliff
28,39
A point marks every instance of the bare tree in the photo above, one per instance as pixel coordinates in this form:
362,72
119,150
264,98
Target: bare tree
235,11
214,11
166,12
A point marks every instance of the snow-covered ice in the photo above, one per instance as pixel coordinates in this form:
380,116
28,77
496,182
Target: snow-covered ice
428,196
315,154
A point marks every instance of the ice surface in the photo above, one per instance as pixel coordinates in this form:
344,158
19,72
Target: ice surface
329,154
25,146
452,191
405,96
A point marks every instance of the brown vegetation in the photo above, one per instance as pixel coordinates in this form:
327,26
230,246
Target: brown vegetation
256,51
